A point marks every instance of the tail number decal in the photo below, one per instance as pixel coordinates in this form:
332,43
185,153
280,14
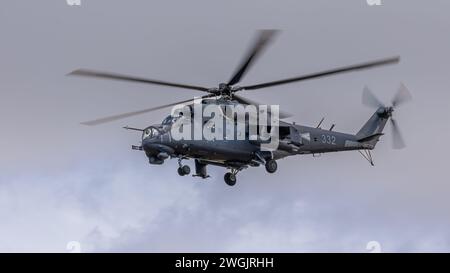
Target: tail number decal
329,139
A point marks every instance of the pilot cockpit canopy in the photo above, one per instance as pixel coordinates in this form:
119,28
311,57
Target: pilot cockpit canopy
169,120
150,132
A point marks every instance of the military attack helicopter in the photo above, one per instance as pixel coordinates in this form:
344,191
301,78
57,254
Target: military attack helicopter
237,155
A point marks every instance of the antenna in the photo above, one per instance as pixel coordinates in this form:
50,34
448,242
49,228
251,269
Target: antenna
332,126
134,129
320,123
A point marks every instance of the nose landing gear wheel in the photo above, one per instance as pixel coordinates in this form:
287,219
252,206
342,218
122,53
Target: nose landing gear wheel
271,166
230,179
184,170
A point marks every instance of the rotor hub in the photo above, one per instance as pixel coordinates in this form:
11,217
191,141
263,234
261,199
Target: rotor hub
223,87
390,110
225,90
386,112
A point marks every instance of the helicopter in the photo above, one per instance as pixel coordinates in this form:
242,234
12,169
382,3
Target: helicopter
236,155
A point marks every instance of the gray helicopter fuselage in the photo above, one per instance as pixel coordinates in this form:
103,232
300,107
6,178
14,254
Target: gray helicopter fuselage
159,144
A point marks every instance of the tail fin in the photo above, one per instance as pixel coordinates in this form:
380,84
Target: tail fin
373,128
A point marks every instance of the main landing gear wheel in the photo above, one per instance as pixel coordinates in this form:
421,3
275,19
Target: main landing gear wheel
271,166
230,179
184,170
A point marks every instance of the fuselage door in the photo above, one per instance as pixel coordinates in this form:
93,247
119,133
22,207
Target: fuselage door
295,136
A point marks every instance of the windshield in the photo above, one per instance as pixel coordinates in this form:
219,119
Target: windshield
150,132
167,121
170,120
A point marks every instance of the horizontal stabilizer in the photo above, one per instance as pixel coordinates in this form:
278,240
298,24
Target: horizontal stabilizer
370,138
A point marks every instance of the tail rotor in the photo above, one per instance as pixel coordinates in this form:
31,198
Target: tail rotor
401,97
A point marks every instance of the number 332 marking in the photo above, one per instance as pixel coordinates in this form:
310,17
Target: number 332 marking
328,139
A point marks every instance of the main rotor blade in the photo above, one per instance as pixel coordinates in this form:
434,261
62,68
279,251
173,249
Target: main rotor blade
264,37
242,100
397,139
369,99
135,113
114,76
402,96
330,72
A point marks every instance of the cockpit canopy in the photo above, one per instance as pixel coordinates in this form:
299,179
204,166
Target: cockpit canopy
169,120
150,132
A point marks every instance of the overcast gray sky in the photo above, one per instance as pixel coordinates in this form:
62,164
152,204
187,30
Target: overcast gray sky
61,181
